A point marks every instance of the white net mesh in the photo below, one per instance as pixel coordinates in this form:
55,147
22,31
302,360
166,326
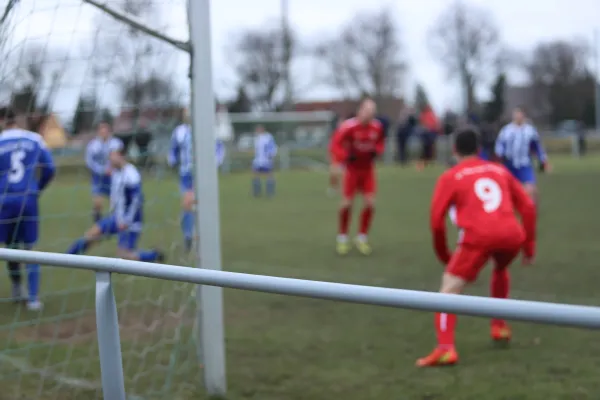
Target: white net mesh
65,66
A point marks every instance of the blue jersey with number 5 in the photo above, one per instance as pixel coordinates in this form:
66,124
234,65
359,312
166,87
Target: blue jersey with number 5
26,165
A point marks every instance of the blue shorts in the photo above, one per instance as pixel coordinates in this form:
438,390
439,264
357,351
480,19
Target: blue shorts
101,185
126,240
523,174
19,220
186,183
262,170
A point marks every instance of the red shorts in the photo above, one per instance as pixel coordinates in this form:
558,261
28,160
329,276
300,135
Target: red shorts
468,261
359,181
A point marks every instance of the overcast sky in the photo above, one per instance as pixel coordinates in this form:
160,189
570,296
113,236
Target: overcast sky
523,23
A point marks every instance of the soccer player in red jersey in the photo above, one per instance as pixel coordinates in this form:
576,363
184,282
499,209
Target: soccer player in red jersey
485,196
358,142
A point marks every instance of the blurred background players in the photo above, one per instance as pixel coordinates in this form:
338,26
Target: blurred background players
181,155
96,159
358,142
126,217
406,128
27,168
485,196
430,128
514,147
265,150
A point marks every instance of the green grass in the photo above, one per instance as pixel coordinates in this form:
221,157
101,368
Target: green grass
290,348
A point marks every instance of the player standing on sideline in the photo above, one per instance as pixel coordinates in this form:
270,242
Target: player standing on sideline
127,214
265,150
181,155
96,159
26,169
485,195
514,145
358,141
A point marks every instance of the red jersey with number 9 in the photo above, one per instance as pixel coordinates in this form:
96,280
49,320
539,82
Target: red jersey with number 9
485,196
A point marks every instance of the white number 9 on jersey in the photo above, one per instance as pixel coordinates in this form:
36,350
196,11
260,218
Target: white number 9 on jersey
489,192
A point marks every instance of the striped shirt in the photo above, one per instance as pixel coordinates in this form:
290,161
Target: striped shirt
516,143
265,150
181,150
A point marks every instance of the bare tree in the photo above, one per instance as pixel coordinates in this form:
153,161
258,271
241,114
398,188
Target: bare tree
561,80
131,60
466,42
262,58
364,58
36,77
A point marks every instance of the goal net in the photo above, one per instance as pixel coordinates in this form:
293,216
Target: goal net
65,67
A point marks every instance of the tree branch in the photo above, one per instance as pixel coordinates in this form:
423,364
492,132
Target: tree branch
131,21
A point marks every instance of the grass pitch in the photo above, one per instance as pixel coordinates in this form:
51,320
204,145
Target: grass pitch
289,348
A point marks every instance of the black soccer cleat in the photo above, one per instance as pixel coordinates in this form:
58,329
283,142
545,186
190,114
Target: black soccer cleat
160,256
188,245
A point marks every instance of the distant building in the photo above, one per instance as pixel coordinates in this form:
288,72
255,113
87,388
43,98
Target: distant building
48,126
157,120
390,107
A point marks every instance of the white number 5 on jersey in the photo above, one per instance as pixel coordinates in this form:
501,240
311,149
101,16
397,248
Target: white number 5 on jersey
489,192
17,167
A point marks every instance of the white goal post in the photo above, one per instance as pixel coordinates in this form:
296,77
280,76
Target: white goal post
202,111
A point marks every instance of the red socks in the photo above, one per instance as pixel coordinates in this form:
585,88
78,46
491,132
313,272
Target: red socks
445,325
344,220
366,216
499,289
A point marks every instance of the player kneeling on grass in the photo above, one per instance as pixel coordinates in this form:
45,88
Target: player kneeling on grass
126,216
26,169
358,141
485,196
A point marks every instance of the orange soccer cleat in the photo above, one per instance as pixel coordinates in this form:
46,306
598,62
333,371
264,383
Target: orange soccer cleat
438,358
501,333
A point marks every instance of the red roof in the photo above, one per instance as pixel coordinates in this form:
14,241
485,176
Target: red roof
390,107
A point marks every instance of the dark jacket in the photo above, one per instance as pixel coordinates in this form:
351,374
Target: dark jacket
407,128
385,123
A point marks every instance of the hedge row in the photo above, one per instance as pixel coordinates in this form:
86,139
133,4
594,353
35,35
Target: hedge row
73,164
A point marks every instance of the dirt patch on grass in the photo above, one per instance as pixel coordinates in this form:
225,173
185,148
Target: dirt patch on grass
135,323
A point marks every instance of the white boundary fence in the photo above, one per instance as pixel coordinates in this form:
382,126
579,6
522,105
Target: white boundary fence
108,327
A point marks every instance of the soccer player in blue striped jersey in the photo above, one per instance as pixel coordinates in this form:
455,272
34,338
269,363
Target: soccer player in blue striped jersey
126,217
26,169
181,155
96,159
514,147
265,150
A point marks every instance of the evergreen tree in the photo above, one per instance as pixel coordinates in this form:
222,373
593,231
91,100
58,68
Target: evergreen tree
494,109
85,114
421,98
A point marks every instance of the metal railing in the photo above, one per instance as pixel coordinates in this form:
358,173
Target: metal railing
108,327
